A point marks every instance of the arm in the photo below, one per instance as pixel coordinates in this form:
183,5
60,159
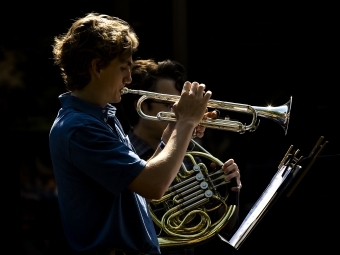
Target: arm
170,127
162,168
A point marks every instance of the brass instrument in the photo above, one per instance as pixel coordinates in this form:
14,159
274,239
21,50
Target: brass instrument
183,213
279,114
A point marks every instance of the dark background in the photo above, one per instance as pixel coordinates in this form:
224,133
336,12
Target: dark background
256,54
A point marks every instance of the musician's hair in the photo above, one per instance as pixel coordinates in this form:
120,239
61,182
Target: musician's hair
145,74
95,36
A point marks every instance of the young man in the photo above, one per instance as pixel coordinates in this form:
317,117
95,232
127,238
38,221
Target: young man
166,77
102,183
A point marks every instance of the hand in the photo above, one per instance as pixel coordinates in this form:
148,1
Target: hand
192,104
199,130
213,114
231,170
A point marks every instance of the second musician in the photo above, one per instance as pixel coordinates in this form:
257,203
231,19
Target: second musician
165,77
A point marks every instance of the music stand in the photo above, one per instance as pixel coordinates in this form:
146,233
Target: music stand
290,172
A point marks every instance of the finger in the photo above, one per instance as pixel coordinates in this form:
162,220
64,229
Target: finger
228,163
235,174
193,88
233,169
186,87
199,134
200,89
207,96
209,115
213,114
237,188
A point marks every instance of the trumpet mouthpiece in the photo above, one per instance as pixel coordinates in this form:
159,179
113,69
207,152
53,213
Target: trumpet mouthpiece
124,90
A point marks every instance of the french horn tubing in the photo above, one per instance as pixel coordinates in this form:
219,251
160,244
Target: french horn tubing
199,203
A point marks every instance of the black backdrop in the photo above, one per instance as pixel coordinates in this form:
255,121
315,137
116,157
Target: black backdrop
255,54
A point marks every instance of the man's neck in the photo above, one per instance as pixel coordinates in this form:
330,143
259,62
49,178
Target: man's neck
90,94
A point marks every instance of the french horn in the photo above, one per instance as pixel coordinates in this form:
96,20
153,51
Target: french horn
197,206
200,203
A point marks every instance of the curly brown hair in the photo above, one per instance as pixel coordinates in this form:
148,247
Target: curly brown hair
95,36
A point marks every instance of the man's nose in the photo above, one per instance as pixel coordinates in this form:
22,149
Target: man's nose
128,78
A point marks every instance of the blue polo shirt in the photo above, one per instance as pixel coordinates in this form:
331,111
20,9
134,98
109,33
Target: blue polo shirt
94,162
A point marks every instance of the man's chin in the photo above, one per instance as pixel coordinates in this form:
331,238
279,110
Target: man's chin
117,100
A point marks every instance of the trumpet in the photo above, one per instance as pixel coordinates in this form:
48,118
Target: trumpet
278,114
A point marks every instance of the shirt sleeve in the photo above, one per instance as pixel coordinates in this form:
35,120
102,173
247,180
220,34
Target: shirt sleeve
100,154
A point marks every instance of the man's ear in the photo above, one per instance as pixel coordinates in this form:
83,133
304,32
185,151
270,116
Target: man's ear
95,67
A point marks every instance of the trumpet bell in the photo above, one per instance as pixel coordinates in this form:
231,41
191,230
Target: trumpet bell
278,114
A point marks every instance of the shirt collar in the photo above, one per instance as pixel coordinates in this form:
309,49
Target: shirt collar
69,101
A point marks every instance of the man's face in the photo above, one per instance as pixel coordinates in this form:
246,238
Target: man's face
163,86
114,77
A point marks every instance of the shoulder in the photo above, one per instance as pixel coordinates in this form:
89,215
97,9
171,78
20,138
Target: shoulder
72,118
70,122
